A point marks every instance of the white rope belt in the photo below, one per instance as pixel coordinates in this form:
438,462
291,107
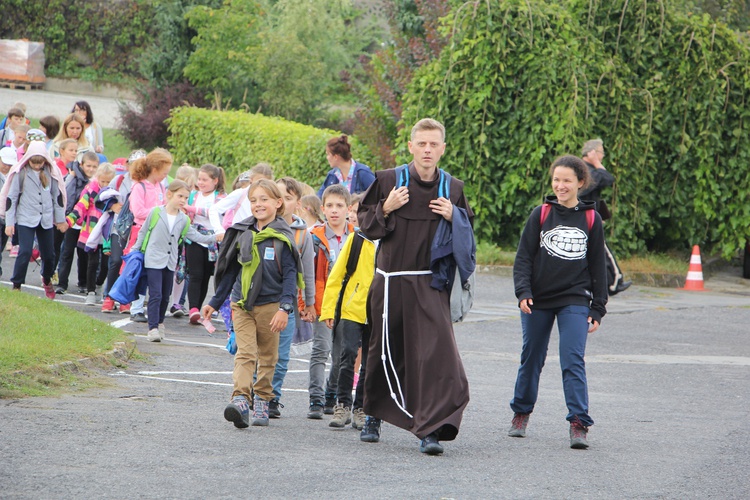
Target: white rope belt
385,348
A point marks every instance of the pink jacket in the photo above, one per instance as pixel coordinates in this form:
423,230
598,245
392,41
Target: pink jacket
144,196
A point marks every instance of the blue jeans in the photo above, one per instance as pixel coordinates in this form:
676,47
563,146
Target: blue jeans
282,365
572,323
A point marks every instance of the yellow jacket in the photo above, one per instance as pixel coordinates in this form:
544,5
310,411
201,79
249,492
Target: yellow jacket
354,301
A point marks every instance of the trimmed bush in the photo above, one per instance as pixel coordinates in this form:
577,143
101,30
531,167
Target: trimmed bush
236,141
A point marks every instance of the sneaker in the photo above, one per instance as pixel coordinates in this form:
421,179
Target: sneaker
430,445
316,411
177,311
260,412
91,299
238,412
518,425
330,404
60,290
371,431
195,316
153,335
55,280
578,434
49,292
273,408
82,290
342,416
14,251
138,318
162,330
108,305
124,308
358,418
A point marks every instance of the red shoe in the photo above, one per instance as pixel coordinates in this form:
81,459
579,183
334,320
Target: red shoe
108,305
48,290
124,308
195,316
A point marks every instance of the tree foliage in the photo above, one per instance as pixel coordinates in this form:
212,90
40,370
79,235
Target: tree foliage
523,81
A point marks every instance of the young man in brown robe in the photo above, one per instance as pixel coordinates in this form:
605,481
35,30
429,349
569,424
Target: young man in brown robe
415,378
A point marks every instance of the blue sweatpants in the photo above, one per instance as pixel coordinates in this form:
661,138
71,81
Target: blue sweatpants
572,323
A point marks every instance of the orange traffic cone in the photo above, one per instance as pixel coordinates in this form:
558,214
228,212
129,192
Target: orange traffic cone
694,280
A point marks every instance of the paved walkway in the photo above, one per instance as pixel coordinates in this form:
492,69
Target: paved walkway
40,103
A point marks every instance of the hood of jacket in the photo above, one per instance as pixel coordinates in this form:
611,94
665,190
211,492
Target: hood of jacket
36,148
297,223
582,205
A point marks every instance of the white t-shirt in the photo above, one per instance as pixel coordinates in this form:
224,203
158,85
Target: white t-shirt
171,219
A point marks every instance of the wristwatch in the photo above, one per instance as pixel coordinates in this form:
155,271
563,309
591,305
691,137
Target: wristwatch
287,308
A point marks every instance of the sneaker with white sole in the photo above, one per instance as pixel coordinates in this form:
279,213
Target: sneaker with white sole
91,299
162,330
195,316
153,335
342,416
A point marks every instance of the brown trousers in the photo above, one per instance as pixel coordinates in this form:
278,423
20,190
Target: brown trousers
257,347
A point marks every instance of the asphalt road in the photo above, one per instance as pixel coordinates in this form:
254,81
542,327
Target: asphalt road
40,103
668,374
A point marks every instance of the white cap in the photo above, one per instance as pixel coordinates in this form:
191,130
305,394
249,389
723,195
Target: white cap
8,156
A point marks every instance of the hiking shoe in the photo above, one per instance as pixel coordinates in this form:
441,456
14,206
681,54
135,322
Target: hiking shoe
177,311
430,445
273,409
358,418
330,404
518,425
60,290
342,416
124,308
108,305
153,335
371,431
238,412
162,330
138,318
578,433
260,412
49,292
195,316
316,411
55,280
91,299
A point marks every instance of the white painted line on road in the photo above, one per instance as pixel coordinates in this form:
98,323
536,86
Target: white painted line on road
669,359
186,381
184,373
205,344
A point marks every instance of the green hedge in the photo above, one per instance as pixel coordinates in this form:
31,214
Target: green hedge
236,141
523,81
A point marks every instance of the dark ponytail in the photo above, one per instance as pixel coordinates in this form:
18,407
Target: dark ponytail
339,146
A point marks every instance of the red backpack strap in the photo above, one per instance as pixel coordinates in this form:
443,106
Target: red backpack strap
590,217
546,207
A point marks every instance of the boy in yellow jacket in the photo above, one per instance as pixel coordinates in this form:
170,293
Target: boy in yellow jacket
344,309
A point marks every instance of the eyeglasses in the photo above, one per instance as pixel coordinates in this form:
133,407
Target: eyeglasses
601,152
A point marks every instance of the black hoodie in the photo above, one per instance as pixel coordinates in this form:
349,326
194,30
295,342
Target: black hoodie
562,262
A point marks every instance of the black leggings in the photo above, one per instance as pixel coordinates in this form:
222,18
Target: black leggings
199,270
96,269
69,248
115,260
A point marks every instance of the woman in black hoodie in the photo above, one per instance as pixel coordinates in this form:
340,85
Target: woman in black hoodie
559,273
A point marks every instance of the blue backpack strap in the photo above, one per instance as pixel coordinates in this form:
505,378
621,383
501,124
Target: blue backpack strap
444,185
402,176
191,198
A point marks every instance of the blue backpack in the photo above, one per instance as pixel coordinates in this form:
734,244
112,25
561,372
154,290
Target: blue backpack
444,184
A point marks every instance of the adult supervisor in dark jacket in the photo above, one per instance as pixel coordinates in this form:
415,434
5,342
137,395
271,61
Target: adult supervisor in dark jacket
593,154
355,176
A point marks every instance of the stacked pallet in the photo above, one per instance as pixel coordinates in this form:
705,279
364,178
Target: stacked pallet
23,64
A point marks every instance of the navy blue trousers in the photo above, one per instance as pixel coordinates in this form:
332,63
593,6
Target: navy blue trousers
572,323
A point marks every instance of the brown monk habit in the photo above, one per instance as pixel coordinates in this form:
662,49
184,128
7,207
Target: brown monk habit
428,368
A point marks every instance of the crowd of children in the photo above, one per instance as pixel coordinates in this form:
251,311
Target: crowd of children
287,264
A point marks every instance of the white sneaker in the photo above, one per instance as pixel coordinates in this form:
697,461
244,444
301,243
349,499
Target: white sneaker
162,330
153,335
91,299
